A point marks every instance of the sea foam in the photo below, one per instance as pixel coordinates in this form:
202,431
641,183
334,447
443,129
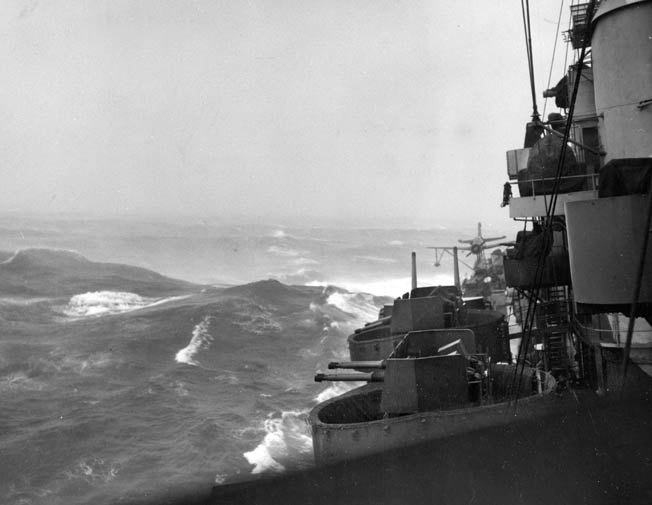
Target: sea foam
93,470
387,287
104,302
360,305
286,439
284,251
336,389
201,338
97,303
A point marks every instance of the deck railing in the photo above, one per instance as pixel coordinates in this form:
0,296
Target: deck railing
592,183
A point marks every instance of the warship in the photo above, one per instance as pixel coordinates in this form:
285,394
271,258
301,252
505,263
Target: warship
487,278
476,303
567,418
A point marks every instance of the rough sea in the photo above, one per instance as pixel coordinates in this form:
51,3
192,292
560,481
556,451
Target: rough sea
142,359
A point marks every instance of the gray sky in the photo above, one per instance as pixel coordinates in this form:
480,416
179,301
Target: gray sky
369,109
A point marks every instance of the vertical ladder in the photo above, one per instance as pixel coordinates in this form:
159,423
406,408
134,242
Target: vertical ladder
552,325
554,321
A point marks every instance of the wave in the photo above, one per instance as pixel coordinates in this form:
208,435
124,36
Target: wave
302,276
57,272
83,364
287,440
386,287
34,309
20,381
34,255
201,339
93,470
97,303
286,444
303,261
22,302
272,292
336,389
256,319
360,305
284,251
39,373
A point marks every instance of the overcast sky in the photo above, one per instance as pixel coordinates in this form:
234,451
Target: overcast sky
360,109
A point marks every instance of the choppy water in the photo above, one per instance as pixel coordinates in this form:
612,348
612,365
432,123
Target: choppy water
117,382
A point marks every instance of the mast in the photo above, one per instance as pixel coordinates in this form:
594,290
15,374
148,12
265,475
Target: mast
456,269
414,270
586,254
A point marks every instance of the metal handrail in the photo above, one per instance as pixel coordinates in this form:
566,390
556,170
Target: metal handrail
594,178
614,333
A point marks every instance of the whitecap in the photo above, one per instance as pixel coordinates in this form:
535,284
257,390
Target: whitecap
85,364
20,381
336,389
361,305
180,388
386,287
95,303
287,439
261,458
24,302
256,319
303,261
93,470
201,338
228,378
284,251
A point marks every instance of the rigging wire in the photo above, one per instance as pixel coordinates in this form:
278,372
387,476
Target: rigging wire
554,51
440,255
570,21
550,209
525,10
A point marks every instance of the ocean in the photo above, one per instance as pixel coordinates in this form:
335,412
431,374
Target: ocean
140,359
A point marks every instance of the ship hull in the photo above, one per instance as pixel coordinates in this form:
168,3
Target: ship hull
582,448
352,425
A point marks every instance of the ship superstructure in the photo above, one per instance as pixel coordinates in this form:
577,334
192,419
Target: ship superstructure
581,267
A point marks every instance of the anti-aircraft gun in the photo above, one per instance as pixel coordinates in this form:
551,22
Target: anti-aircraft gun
428,370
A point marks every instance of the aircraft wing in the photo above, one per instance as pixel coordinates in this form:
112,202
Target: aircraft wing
448,247
494,238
